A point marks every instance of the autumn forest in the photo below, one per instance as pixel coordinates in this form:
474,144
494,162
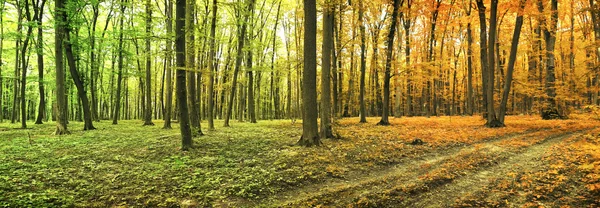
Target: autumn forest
282,103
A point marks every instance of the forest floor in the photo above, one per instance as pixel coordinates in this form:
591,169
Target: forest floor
530,163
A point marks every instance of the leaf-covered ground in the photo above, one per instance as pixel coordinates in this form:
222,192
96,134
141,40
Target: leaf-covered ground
531,162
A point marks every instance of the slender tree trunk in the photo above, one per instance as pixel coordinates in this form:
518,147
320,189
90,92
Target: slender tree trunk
24,66
120,65
409,86
388,65
168,64
326,131
192,98
61,98
511,61
238,63
182,104
211,67
78,81
148,93
470,98
363,51
310,129
2,7
550,110
38,15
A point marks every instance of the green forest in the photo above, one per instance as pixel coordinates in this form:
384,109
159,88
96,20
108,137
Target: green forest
280,103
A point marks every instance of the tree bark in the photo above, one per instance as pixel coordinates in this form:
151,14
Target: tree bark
363,51
148,93
38,15
550,110
310,129
511,60
168,64
190,52
120,65
238,63
388,65
327,47
77,79
182,104
24,66
61,98
211,67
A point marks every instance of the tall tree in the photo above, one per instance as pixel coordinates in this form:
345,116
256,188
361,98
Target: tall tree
168,61
388,65
120,64
238,60
363,62
192,99
24,65
327,49
470,101
61,98
182,104
310,127
550,110
211,66
148,93
511,61
77,79
2,7
38,10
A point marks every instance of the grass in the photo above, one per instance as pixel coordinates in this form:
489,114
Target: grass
134,165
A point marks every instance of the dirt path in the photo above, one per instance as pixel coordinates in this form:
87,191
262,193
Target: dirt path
528,159
353,188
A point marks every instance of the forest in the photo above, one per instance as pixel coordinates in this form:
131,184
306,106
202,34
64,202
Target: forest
283,103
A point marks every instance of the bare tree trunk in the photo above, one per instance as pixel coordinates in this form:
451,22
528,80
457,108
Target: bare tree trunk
327,48
38,15
238,62
148,93
310,129
182,104
511,60
61,99
363,51
550,110
211,67
24,66
168,64
192,98
120,65
388,65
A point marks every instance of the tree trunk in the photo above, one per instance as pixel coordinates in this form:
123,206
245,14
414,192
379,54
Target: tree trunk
238,62
2,7
550,110
61,98
190,52
470,98
120,65
310,129
24,60
511,60
361,97
211,67
148,93
327,47
38,15
182,104
388,65
409,86
87,113
168,64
